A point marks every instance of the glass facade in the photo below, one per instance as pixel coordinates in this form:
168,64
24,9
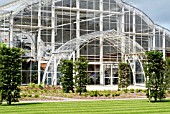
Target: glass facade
106,32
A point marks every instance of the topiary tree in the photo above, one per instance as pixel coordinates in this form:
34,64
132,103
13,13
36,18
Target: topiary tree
123,73
10,74
167,73
66,79
154,74
81,78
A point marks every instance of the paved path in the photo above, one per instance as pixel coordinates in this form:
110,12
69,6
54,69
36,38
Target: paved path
60,99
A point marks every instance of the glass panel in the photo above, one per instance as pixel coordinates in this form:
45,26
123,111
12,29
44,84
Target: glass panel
139,78
115,81
107,74
107,81
94,74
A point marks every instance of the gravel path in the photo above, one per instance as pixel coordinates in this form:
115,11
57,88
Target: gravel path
60,99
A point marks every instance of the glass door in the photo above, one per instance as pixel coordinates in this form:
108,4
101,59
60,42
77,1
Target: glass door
110,74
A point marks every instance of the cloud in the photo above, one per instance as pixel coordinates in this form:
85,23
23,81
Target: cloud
2,2
157,10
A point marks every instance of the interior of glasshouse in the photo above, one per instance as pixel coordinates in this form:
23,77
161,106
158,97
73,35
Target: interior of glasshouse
106,32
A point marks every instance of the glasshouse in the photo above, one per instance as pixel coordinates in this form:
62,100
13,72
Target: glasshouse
106,32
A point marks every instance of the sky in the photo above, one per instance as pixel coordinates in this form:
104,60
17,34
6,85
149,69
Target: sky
157,10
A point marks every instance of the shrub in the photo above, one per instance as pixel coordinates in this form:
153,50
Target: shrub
66,77
157,74
93,93
41,85
113,95
29,91
125,90
132,90
168,91
29,95
86,94
96,93
100,93
24,95
138,90
81,77
117,93
42,91
144,90
10,74
36,96
31,85
107,94
35,90
123,73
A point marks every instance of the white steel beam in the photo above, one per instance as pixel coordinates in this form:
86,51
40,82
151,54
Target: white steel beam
87,10
101,45
11,31
134,31
153,39
53,41
38,43
78,26
111,35
122,24
163,45
134,48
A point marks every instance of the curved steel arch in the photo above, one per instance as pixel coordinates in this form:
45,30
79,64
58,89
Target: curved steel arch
13,8
123,43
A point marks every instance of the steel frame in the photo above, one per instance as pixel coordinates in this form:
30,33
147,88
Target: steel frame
130,29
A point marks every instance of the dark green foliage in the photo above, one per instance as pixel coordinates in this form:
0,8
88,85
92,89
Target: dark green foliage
132,90
107,94
125,90
67,75
117,93
36,95
167,72
81,78
10,74
138,90
154,74
41,85
124,72
93,93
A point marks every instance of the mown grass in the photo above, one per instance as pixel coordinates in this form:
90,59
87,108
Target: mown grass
89,107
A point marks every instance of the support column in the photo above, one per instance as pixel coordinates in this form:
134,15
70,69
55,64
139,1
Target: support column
134,48
111,74
11,31
53,25
54,79
38,43
78,26
164,45
153,40
122,24
134,31
101,45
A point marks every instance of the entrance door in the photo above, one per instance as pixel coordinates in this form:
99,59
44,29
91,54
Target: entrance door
110,74
107,74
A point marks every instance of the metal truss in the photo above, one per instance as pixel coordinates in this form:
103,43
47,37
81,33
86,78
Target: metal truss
123,44
124,40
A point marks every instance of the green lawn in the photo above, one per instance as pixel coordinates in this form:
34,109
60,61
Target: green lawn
89,107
